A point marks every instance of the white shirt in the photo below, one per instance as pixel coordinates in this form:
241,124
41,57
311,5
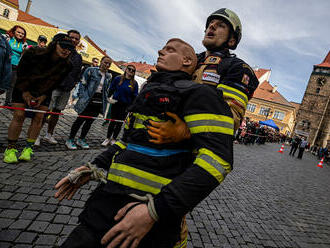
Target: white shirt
99,89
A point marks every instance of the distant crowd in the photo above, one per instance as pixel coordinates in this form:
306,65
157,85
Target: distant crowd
251,132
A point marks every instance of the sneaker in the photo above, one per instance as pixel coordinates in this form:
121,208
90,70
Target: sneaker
70,144
26,154
37,142
106,142
82,143
10,156
50,139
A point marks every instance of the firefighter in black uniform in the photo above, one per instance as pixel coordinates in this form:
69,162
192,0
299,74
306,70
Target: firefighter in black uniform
218,68
150,187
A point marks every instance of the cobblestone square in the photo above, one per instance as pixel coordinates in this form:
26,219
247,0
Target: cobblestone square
269,200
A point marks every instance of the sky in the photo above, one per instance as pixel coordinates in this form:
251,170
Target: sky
286,36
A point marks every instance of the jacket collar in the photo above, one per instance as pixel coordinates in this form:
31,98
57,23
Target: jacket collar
169,77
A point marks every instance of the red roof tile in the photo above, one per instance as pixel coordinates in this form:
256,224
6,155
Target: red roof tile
142,67
260,72
326,61
12,2
264,92
24,17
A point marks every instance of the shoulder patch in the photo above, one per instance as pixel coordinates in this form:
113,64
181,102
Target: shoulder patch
245,79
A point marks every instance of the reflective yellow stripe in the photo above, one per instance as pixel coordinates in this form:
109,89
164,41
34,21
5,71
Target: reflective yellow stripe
234,93
139,119
127,122
182,244
121,144
213,164
136,178
199,123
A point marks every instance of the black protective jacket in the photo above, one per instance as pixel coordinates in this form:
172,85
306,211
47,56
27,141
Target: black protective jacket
179,181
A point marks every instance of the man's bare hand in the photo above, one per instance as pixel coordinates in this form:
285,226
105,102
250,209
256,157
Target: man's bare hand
27,97
39,100
66,189
131,229
169,131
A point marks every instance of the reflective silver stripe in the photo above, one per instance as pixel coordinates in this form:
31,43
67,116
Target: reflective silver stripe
135,178
138,121
209,123
214,163
234,93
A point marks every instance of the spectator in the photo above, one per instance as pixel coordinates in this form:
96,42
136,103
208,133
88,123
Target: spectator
16,38
5,65
302,147
294,145
124,89
95,62
39,72
61,94
93,96
42,41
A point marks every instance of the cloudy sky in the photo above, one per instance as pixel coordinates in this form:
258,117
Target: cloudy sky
286,36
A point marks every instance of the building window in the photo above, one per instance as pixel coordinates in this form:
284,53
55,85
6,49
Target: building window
279,115
304,124
6,13
251,107
318,90
264,111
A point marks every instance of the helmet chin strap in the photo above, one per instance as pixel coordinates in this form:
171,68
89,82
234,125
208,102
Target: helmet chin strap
224,45
220,48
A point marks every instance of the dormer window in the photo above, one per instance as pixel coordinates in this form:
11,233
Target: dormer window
6,13
318,90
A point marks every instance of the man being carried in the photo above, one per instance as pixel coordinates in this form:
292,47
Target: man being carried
150,187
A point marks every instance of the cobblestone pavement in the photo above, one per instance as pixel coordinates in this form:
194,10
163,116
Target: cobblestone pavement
269,200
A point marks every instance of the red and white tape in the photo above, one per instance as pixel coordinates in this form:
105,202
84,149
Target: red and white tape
55,113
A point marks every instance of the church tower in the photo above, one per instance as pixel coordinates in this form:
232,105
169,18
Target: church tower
313,119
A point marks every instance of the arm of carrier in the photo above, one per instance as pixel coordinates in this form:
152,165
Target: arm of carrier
211,128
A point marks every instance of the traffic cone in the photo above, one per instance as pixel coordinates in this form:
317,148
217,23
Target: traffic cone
281,149
321,163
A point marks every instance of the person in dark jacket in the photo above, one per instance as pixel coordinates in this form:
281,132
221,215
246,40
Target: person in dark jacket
150,187
39,72
5,64
302,146
61,94
294,145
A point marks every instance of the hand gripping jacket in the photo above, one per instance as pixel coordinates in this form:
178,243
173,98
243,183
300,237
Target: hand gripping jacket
232,76
177,180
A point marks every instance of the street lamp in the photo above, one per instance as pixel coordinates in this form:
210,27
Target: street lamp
267,113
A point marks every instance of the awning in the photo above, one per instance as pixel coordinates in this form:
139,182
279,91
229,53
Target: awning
33,31
269,123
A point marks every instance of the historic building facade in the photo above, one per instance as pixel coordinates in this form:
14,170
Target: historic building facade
268,103
313,119
9,9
